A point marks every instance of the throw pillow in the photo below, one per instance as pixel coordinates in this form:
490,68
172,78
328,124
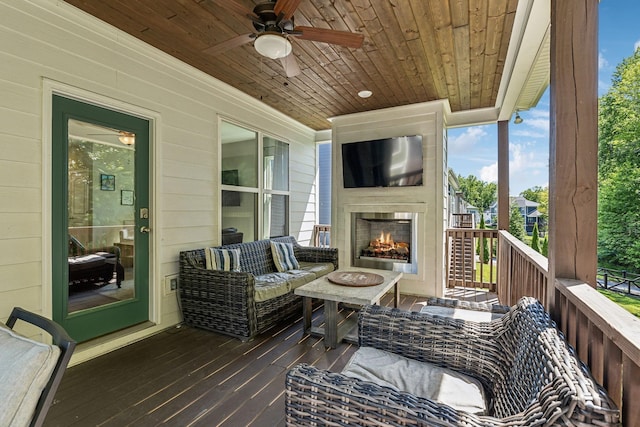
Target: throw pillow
283,256
222,259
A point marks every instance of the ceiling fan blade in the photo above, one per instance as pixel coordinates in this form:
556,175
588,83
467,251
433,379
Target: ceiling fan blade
290,65
286,7
237,8
342,38
230,44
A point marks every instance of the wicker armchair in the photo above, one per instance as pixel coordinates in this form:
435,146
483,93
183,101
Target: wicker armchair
224,301
531,376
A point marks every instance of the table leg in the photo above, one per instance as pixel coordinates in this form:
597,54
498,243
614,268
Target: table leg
307,311
396,295
330,324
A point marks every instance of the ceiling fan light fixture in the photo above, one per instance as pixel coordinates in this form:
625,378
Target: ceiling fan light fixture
365,93
272,46
127,138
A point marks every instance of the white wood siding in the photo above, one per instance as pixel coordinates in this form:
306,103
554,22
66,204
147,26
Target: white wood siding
47,41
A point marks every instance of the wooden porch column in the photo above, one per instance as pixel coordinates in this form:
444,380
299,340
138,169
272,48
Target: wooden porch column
573,145
503,175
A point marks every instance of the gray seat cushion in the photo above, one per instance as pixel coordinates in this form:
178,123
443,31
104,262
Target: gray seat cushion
461,313
25,369
317,268
422,379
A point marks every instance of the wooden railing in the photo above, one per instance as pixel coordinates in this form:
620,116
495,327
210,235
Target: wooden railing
521,270
463,267
606,336
321,236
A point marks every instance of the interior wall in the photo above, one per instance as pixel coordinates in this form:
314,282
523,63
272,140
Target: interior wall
428,200
48,43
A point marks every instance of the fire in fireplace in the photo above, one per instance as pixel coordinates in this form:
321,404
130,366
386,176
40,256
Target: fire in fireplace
385,247
385,241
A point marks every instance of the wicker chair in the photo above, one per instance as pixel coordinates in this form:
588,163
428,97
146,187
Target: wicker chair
224,301
531,376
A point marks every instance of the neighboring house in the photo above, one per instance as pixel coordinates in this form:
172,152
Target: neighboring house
491,214
529,211
475,212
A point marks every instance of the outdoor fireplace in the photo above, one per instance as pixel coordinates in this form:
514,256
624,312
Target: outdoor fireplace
384,240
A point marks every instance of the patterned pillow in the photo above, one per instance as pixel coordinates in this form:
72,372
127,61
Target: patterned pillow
222,259
283,256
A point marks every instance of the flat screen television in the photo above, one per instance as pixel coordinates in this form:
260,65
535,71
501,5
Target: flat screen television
389,162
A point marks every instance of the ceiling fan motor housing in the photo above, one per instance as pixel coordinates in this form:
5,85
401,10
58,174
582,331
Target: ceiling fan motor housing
269,21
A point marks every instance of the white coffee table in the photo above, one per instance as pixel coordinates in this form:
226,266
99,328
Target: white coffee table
332,294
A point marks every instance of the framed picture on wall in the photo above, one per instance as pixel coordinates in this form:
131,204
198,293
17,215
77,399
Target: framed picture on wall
126,197
107,182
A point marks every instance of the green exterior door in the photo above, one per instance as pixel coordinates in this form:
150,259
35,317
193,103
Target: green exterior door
100,218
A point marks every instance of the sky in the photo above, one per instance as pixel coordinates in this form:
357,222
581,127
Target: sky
473,150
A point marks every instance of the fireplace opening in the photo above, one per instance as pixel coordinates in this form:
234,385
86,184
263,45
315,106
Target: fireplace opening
385,241
385,247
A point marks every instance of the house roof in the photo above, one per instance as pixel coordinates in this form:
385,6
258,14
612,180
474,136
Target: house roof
487,58
522,202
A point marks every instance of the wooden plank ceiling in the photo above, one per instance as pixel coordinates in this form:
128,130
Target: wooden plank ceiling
413,51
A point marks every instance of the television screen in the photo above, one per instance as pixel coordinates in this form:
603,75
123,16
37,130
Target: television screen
390,162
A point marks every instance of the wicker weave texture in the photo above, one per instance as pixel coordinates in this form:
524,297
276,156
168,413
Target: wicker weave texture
224,301
532,376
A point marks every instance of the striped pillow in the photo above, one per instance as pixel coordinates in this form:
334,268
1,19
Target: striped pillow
283,256
222,259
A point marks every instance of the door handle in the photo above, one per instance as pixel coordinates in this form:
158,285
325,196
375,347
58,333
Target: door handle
145,230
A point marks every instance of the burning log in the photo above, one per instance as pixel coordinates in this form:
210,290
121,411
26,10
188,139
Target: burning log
385,247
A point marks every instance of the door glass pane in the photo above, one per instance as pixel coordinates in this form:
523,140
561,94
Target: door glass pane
101,215
239,216
276,164
276,215
239,156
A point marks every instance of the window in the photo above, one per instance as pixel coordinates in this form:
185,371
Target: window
248,177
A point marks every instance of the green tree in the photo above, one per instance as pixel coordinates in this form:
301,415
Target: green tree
545,247
619,118
483,245
479,193
619,167
516,223
535,238
619,218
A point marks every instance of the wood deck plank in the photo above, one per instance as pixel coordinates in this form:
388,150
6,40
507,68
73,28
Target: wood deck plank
192,377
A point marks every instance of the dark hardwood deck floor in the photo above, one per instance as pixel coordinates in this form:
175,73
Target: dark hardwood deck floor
190,377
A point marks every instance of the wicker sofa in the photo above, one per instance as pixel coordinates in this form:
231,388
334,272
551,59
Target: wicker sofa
529,373
240,303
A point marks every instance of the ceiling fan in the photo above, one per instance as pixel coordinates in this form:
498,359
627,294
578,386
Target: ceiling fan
273,24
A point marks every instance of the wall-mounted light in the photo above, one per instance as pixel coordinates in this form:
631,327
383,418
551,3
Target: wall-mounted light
127,138
518,119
